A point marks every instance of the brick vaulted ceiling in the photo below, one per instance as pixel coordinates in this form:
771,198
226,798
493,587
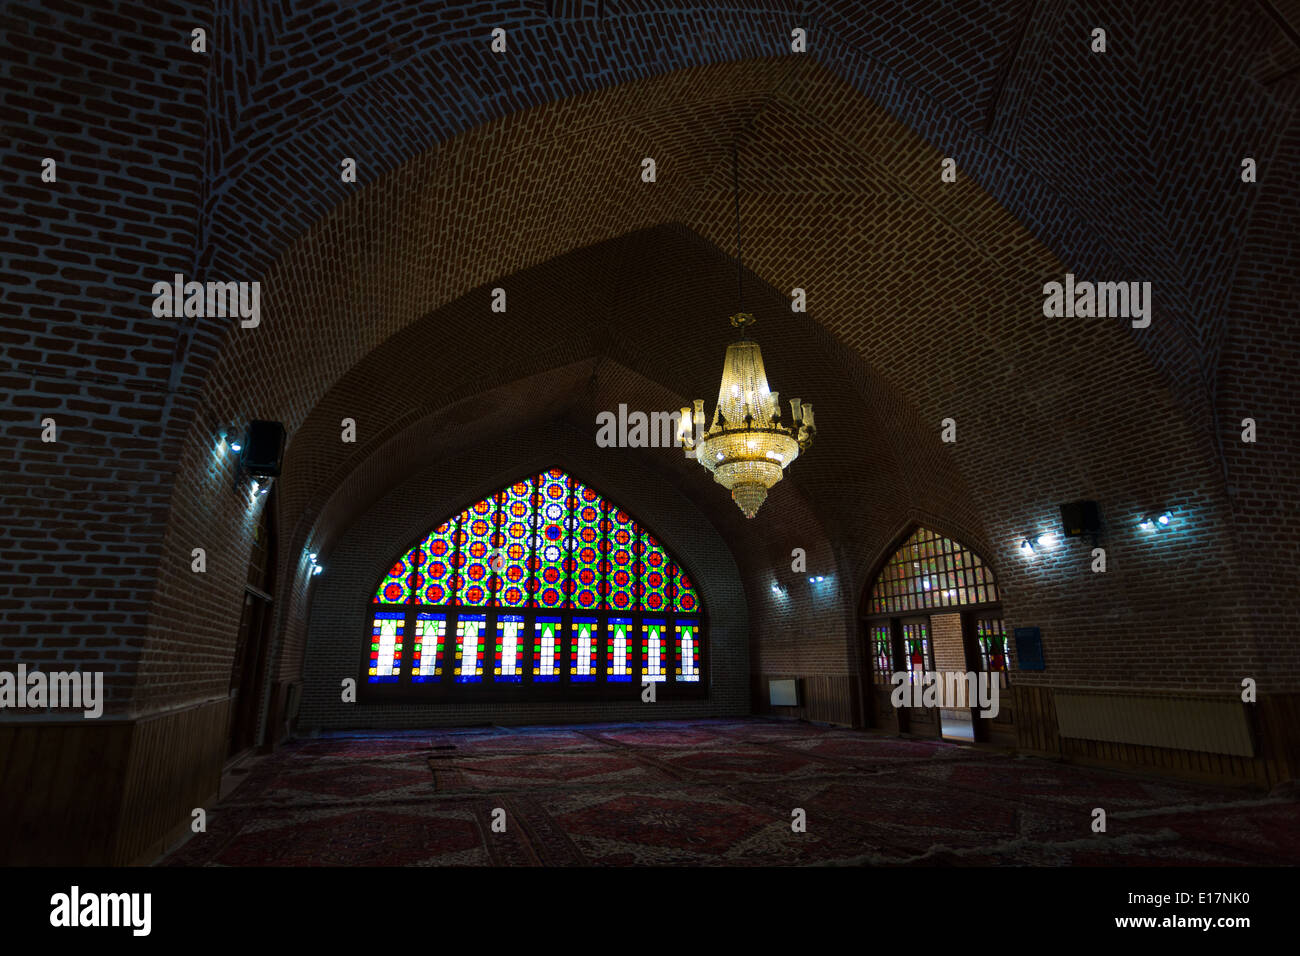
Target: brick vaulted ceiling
924,298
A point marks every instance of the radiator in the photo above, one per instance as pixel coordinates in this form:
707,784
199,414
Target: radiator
1217,726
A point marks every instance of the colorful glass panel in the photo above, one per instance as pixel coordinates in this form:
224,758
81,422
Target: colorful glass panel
550,541
684,598
620,560
469,648
657,576
992,637
586,548
654,650
584,648
916,649
930,571
881,656
478,526
687,645
434,556
546,650
386,647
516,509
426,655
509,665
619,650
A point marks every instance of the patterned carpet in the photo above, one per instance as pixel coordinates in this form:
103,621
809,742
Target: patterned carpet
715,792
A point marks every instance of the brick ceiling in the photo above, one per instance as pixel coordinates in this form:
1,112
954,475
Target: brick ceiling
924,297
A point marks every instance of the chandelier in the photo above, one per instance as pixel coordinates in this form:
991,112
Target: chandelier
746,446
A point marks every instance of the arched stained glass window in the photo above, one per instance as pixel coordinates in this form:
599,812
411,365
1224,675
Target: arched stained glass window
932,572
544,584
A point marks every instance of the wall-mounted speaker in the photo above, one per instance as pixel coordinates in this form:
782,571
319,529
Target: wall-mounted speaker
263,449
1081,518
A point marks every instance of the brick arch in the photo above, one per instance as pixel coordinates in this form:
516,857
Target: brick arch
440,231
329,634
289,93
345,485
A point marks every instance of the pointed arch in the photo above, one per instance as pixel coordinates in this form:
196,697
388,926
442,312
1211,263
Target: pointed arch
545,583
927,572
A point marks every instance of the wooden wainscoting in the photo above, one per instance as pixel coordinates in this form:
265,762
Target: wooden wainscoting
1274,723
106,792
825,700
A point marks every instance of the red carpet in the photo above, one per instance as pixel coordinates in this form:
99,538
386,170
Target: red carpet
715,792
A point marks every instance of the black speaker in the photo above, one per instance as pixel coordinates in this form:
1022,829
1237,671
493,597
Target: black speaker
263,449
1080,518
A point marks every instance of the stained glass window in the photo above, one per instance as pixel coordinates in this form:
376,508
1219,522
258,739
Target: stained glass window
688,651
469,647
618,650
546,650
586,552
992,637
584,648
426,656
549,581
930,571
509,666
516,507
386,647
880,664
916,649
619,573
654,650
479,537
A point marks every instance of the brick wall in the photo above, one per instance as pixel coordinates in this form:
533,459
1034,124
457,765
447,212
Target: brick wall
114,95
924,297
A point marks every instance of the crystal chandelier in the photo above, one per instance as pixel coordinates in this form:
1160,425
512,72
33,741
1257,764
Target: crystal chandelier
746,447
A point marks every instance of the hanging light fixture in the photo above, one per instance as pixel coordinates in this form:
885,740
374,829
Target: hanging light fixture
746,447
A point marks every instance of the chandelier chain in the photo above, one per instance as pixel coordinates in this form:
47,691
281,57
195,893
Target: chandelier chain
735,184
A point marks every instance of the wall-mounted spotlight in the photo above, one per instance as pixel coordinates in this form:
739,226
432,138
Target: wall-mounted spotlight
315,568
1040,542
1152,522
817,579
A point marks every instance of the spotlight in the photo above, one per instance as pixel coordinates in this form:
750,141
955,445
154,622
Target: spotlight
811,580
1026,548
316,569
1045,540
1146,524
1164,518
236,446
820,578
312,557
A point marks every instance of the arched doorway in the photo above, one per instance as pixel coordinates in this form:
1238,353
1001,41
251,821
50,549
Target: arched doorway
934,606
